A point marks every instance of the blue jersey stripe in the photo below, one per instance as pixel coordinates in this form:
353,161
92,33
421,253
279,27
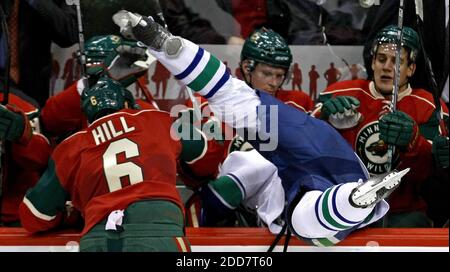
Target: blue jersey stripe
218,85
318,216
191,66
336,211
239,182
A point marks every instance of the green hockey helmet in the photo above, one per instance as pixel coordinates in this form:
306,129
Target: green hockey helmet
267,46
105,97
388,34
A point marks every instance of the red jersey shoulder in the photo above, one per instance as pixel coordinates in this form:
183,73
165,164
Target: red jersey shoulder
421,101
347,86
422,98
298,99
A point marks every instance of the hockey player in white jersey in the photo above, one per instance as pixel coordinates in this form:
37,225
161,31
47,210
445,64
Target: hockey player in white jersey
327,190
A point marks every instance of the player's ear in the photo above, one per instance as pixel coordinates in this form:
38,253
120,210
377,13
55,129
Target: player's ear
410,70
245,65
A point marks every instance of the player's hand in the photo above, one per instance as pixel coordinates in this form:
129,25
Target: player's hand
141,28
14,125
399,129
122,67
149,32
440,150
341,111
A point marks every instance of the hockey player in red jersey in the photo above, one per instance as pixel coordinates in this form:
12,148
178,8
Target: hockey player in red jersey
108,55
359,109
26,153
120,172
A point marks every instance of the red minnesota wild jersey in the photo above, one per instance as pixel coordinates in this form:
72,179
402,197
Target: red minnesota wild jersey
24,162
364,138
119,159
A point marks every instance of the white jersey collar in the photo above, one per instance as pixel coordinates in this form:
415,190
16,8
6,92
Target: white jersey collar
377,95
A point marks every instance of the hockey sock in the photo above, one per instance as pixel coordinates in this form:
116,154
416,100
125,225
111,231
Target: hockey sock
324,214
219,200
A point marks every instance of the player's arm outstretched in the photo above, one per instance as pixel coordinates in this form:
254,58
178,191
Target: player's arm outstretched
196,68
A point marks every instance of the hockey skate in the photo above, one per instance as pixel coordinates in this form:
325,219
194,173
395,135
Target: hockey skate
369,193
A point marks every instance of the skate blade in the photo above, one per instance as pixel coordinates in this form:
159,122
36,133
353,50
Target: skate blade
368,195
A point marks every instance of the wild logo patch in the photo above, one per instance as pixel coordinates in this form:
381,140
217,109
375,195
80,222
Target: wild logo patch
372,150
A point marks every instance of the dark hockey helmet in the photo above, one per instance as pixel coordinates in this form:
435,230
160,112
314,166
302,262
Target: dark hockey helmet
105,97
410,40
266,46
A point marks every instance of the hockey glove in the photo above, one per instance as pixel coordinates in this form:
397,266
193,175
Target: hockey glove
239,144
440,150
123,67
146,30
341,112
399,129
14,125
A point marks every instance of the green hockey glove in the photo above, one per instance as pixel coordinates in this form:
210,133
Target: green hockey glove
399,129
14,125
440,150
129,61
341,111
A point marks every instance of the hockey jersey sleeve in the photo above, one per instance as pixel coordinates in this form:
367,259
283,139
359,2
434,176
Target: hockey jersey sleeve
231,99
62,112
43,205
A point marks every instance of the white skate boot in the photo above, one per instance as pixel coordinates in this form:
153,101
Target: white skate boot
372,191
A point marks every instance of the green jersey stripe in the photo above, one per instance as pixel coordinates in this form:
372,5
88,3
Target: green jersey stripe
326,242
326,213
206,75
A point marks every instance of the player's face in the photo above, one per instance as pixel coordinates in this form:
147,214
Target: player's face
383,65
267,78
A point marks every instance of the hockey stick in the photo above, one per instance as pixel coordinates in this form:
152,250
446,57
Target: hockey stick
394,98
81,53
5,100
428,67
